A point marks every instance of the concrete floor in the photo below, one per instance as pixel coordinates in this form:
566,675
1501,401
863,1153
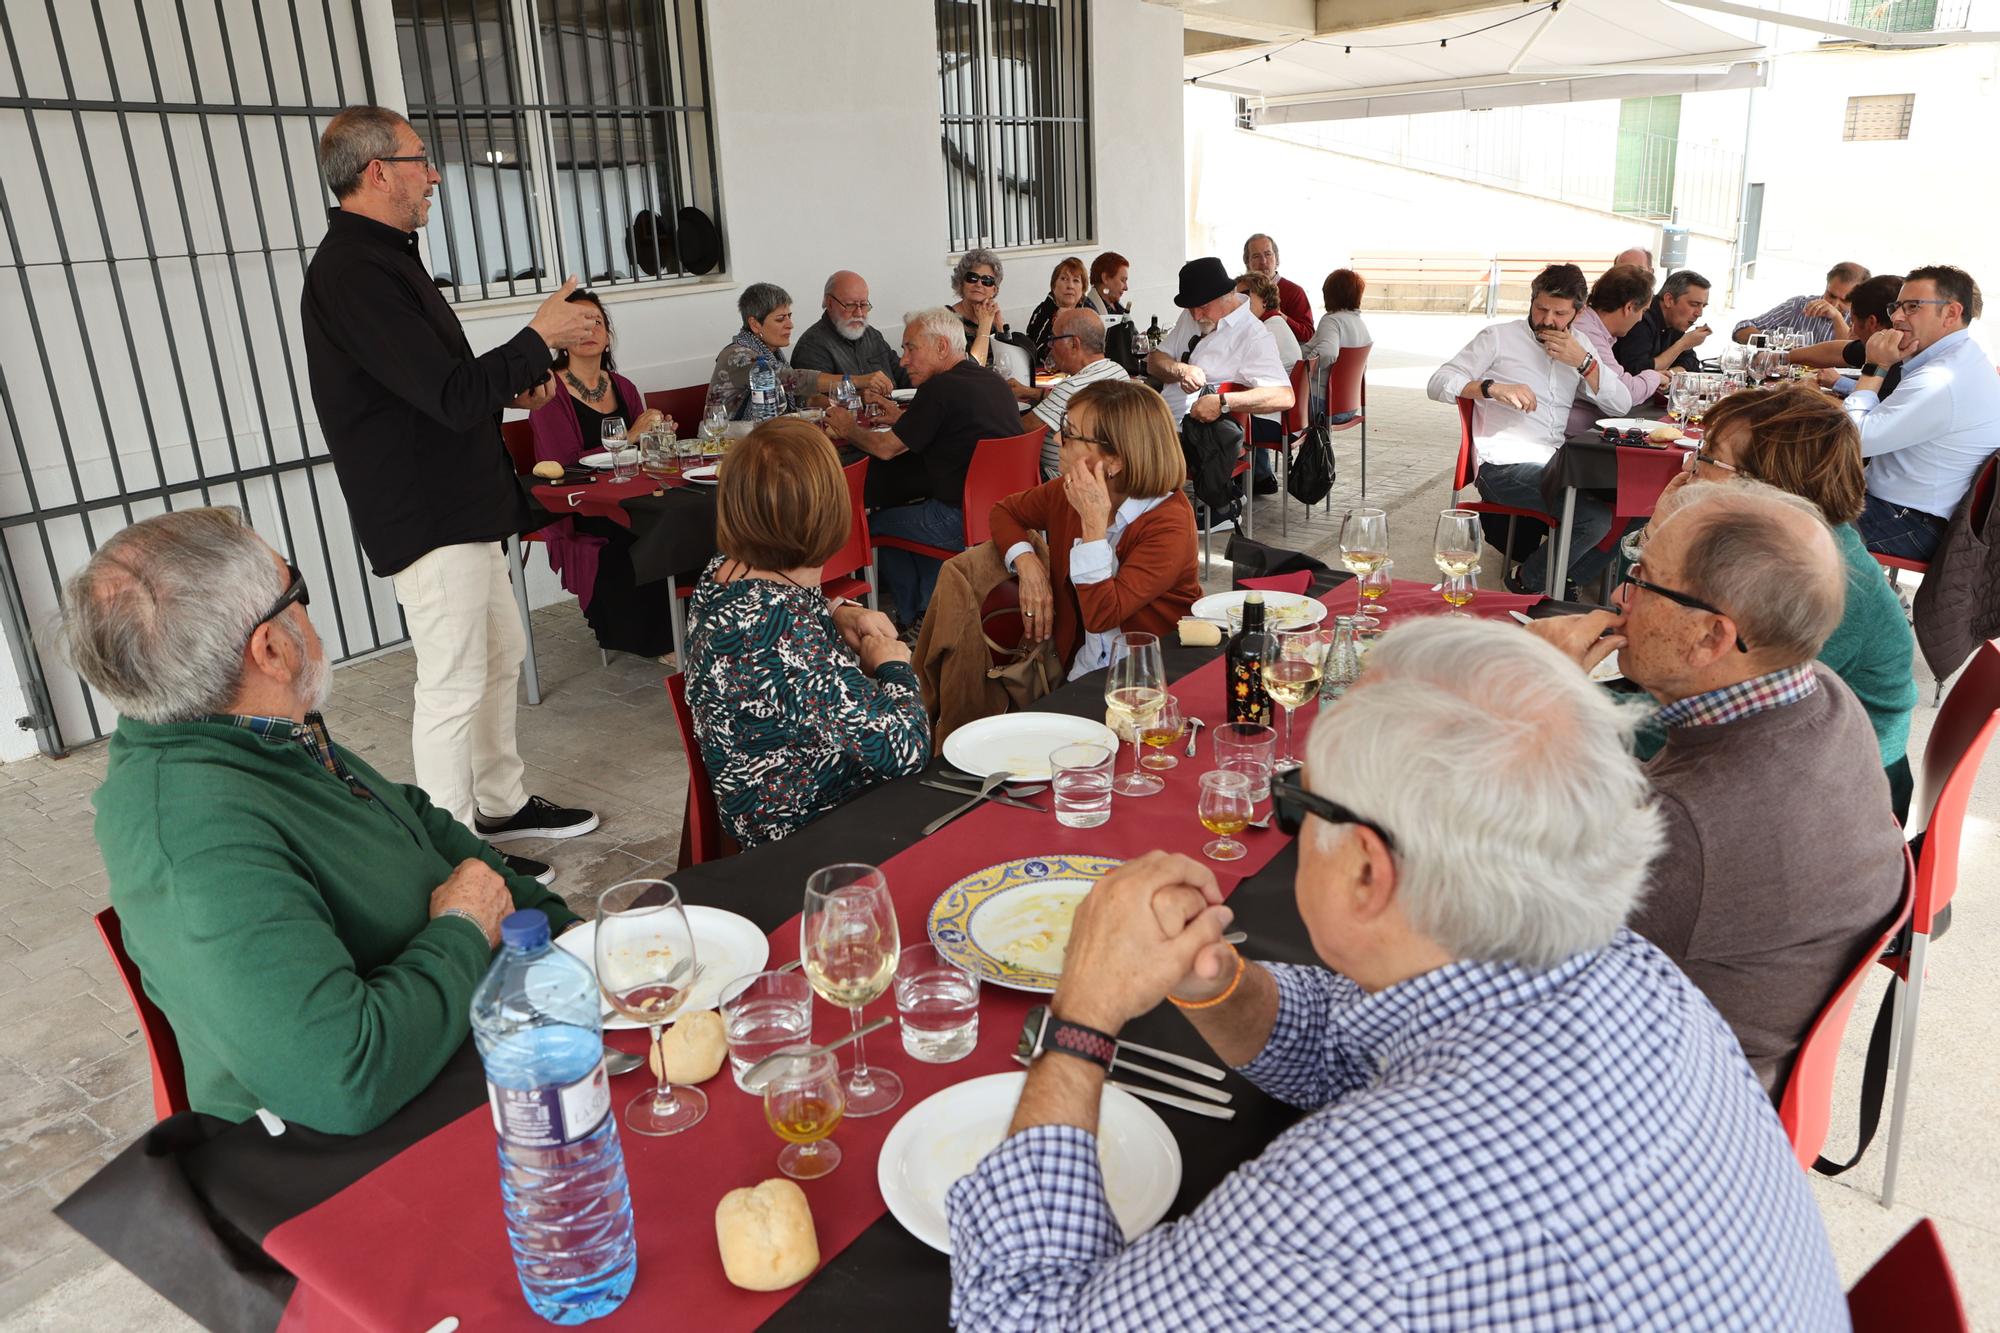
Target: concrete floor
76,1074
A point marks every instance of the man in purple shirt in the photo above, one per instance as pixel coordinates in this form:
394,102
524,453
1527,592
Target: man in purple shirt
1618,301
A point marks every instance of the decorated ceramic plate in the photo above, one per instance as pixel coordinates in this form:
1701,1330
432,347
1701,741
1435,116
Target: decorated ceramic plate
1010,923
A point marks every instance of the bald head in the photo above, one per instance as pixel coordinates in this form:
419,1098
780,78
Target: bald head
1637,257
1084,324
1763,555
845,300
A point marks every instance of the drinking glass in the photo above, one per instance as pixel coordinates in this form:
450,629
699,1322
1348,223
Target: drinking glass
803,1102
1343,659
1458,591
1160,734
1080,775
1135,689
1457,544
626,460
714,425
1294,661
1224,811
1374,585
645,967
1364,539
659,452
848,939
1249,748
938,1002
613,433
761,1015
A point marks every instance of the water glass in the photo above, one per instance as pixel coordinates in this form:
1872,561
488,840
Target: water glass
939,1004
1343,658
625,460
660,452
761,1015
1080,774
1249,748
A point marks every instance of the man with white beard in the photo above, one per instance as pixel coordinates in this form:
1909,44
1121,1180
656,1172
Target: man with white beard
843,342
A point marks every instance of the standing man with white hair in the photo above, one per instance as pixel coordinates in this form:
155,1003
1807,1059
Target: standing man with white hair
1518,1113
412,419
842,341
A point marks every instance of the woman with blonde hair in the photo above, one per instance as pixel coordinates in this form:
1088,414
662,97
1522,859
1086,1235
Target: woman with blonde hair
1121,536
799,703
1067,284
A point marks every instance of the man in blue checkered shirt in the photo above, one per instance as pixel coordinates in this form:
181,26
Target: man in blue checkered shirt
1821,318
1520,1114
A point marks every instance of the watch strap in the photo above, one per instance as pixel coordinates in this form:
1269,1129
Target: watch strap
1871,369
1053,1034
1486,388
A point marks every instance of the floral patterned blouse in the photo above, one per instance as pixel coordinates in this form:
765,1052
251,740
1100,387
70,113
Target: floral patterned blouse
730,384
789,724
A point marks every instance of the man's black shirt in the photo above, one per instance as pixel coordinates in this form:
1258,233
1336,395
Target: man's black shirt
952,412
1644,341
411,416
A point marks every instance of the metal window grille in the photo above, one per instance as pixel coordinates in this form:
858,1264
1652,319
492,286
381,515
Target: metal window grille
1014,79
1878,117
574,128
159,206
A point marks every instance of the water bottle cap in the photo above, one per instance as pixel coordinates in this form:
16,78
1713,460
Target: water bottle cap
525,929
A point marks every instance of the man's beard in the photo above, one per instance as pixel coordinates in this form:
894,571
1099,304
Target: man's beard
851,329
315,683
1547,328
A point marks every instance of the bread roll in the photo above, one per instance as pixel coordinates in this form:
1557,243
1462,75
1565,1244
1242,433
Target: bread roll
1199,633
692,1049
550,469
1664,434
766,1236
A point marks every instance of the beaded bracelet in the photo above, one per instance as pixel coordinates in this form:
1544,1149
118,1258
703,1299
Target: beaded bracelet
1234,982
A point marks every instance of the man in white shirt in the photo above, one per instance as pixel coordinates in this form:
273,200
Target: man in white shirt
1076,348
1926,445
1522,377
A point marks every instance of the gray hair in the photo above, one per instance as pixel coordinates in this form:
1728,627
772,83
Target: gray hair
351,140
157,621
760,299
938,322
972,259
1523,826
1677,284
1767,558
1082,322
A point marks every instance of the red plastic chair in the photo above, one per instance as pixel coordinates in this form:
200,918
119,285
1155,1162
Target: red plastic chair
1000,468
1806,1107
1296,582
1910,1289
1291,424
1965,726
1462,474
1347,391
685,406
163,1049
837,577
1982,497
702,838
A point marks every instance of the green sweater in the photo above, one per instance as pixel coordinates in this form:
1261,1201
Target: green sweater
283,922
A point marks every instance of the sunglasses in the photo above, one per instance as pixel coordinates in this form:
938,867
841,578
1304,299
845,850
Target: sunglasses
1680,598
983,279
1291,803
295,591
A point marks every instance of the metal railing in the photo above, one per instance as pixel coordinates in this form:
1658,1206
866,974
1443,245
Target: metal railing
1900,15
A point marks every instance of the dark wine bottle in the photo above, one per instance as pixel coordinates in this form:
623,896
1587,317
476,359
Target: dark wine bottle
1244,666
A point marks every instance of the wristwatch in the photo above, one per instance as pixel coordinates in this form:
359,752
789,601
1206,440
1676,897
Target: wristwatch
1044,1032
1589,364
1871,369
1486,388
1222,401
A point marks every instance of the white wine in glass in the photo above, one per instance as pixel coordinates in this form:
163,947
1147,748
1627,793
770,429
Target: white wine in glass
1364,540
1135,690
848,940
1294,662
644,951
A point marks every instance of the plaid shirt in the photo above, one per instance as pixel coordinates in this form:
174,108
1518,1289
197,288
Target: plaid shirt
1791,315
312,734
1743,699
1487,1147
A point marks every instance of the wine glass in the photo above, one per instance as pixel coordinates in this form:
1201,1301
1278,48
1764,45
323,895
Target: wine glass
1364,539
803,1102
1159,734
645,967
1294,661
1458,591
1374,585
714,425
1224,810
1135,689
1457,544
847,937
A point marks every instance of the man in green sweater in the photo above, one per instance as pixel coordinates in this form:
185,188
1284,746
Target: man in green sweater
312,930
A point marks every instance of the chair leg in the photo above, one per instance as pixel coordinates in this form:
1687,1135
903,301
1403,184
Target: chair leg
874,598
1284,490
1905,1049
517,574
678,617
1364,455
1246,523
603,658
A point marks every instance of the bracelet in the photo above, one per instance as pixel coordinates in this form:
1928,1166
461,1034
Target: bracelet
1234,982
463,915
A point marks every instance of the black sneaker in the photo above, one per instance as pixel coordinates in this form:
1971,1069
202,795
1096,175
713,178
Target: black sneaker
1266,486
537,819
541,872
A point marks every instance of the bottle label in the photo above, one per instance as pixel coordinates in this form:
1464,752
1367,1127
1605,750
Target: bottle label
1248,699
551,1116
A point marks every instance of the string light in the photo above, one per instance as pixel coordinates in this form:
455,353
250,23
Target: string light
1347,48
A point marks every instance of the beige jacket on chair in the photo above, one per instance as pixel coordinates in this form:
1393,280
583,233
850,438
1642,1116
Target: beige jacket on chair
952,660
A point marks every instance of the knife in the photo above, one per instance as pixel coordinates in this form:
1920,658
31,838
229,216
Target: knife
992,784
997,798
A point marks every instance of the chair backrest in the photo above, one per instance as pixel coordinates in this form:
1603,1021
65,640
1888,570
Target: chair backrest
683,405
1014,361
1347,381
1642,475
701,836
1293,419
1805,1108
163,1049
1964,728
1461,473
1910,1289
520,437
854,555
999,468
1296,582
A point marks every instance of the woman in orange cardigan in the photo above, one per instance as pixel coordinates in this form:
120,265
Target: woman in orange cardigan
1121,535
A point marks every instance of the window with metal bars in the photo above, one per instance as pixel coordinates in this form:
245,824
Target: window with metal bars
1886,117
1014,80
577,129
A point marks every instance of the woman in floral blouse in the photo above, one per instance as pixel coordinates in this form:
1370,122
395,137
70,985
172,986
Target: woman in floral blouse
798,703
766,333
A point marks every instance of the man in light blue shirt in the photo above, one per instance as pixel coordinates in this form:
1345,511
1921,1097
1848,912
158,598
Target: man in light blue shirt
1926,445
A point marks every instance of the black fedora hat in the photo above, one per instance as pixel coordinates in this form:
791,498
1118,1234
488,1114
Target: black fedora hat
1202,280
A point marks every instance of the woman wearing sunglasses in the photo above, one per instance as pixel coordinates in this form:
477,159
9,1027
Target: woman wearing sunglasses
1799,440
976,280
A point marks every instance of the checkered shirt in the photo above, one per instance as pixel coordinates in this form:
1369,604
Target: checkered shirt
1746,698
1792,315
1485,1147
311,734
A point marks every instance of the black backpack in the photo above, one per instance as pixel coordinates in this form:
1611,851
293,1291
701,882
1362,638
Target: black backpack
1312,468
1211,449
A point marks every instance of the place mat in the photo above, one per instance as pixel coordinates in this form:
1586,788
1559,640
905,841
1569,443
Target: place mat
443,1193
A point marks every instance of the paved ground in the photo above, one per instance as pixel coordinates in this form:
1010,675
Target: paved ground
76,1090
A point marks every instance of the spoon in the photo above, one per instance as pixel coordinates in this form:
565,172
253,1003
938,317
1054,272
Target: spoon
618,1062
1195,725
750,1075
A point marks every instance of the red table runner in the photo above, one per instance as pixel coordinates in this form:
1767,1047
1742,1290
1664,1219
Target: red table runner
603,498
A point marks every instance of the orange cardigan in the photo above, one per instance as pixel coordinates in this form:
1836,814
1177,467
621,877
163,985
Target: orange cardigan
1155,584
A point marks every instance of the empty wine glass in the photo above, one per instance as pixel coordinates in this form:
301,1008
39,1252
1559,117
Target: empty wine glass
1364,539
1135,689
848,939
1224,810
803,1103
645,967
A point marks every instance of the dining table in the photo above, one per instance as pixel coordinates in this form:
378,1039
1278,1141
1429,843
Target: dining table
1586,461
260,1226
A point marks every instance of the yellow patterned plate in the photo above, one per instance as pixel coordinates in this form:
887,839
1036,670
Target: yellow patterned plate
1010,923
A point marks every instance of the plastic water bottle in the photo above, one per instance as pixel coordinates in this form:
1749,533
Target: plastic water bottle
848,396
764,398
562,1174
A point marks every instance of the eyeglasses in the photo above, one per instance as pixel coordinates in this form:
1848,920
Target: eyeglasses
1064,432
295,591
983,279
854,307
424,158
1910,307
1291,803
1055,338
1703,456
1680,598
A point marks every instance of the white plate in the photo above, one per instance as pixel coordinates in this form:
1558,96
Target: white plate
1020,743
703,474
1643,425
1009,924
809,414
726,945
1282,610
902,395
943,1137
601,460
1607,670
